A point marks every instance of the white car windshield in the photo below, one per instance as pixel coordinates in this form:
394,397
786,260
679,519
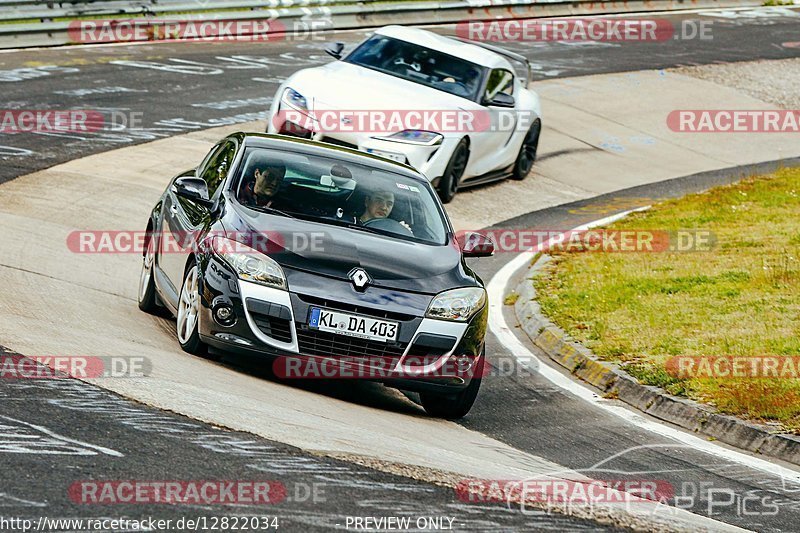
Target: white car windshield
332,191
419,64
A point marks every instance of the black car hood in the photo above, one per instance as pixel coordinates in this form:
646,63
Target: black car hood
334,251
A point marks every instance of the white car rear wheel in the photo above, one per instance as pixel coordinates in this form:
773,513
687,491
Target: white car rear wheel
448,185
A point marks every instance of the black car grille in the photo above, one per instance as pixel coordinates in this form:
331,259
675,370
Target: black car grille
358,309
273,320
423,356
322,343
277,328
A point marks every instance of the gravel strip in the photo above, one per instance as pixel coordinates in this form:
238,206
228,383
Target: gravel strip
774,81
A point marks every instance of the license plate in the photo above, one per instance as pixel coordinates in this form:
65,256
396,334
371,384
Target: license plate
400,158
361,327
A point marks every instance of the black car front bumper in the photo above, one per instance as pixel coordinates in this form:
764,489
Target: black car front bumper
428,355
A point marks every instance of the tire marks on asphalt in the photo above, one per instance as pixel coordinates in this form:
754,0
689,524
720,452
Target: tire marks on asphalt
321,492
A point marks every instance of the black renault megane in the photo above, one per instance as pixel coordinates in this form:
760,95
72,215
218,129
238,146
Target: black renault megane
307,252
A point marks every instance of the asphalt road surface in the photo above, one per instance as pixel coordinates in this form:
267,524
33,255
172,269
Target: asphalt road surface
59,433
112,440
179,87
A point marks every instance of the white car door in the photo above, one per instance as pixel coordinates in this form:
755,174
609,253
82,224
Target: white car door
496,148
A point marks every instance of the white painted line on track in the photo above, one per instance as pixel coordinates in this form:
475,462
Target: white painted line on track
101,449
497,324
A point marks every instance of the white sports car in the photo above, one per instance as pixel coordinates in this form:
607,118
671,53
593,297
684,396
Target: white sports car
454,110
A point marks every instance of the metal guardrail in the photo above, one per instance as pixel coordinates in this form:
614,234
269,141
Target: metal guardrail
39,11
51,22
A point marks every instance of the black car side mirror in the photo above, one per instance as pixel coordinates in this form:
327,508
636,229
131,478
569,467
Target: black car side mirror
476,245
501,100
334,50
191,188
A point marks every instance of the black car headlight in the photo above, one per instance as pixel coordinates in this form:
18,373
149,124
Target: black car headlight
458,305
250,264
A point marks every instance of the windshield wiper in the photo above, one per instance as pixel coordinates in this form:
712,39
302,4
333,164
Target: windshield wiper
272,211
365,228
323,220
339,222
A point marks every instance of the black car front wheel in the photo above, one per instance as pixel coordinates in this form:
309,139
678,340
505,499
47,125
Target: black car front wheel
453,407
189,313
148,301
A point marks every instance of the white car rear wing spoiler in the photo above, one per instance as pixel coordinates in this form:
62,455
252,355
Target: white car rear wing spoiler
511,56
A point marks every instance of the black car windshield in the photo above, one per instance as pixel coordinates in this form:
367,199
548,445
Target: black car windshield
419,64
331,191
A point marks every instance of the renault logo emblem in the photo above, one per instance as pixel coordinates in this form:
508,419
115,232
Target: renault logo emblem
360,278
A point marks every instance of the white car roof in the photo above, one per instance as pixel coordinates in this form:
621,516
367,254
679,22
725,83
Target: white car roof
453,47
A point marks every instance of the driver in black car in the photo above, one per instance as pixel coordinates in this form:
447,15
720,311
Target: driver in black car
379,205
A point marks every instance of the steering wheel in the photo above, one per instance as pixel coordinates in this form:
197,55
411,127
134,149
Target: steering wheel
388,224
459,87
414,66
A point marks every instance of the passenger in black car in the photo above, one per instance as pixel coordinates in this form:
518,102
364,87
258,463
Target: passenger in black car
261,182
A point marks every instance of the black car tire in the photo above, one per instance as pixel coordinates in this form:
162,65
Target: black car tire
448,185
148,300
453,407
527,154
187,323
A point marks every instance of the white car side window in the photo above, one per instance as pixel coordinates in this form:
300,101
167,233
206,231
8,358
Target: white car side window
500,81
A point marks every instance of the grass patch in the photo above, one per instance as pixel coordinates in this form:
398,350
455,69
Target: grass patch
511,298
741,298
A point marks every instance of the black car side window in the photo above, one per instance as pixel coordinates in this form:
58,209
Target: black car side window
215,168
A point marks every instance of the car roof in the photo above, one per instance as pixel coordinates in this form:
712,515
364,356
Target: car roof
278,142
453,47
